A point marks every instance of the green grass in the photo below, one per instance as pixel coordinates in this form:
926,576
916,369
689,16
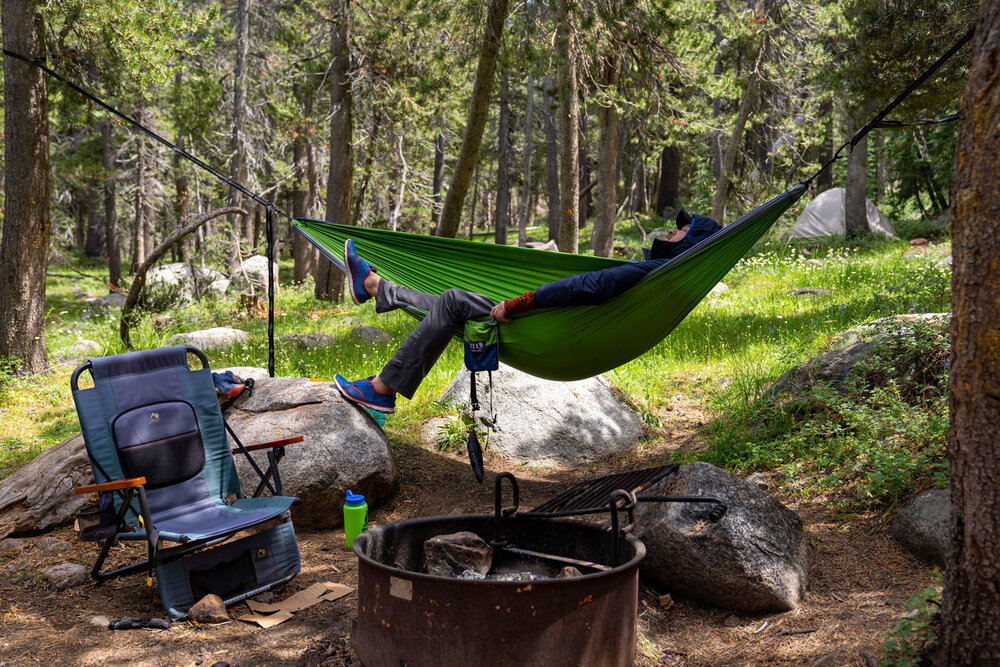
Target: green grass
725,354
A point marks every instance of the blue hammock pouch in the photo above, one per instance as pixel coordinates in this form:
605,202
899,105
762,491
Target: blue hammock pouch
482,353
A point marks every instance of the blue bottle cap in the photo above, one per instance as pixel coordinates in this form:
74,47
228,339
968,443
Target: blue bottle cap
354,499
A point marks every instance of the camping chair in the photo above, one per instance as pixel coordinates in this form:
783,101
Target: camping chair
164,470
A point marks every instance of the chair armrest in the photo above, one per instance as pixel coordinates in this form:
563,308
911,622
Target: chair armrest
111,486
272,444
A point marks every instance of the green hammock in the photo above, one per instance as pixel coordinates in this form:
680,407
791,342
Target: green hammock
556,343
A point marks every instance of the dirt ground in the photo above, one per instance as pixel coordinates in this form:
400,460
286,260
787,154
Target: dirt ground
859,581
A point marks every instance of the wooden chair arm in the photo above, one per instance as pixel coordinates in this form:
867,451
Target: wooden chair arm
272,444
117,485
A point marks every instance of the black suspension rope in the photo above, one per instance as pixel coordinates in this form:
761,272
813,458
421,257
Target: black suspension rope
269,206
879,117
898,124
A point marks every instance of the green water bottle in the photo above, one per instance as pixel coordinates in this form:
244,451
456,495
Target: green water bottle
355,517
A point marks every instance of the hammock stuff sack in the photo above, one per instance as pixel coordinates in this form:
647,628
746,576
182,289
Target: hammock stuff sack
556,343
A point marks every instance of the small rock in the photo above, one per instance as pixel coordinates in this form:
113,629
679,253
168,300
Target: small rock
918,241
720,288
758,480
309,341
51,546
11,545
666,601
922,526
811,292
65,575
569,572
103,304
370,335
732,621
162,322
100,621
814,262
551,245
451,555
85,348
209,609
211,339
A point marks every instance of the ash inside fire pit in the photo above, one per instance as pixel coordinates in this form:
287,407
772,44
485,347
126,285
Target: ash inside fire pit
465,555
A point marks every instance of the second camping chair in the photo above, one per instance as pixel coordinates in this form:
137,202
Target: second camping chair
164,470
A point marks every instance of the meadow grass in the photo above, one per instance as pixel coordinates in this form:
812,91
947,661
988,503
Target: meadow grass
724,354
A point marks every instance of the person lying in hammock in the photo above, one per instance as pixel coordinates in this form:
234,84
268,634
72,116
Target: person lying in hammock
447,313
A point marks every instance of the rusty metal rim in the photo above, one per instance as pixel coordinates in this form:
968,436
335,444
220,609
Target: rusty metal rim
362,540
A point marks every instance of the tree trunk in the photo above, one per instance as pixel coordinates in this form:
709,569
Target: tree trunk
400,181
855,198
110,206
303,193
971,615
238,165
93,244
824,181
438,170
524,212
551,158
669,184
478,112
586,204
569,123
359,199
24,245
330,281
503,167
607,161
739,126
140,231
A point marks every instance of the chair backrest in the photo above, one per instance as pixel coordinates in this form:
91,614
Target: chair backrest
149,414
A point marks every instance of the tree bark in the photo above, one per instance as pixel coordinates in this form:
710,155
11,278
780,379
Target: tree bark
569,124
94,243
330,281
607,162
971,615
824,181
501,214
551,158
303,193
140,231
524,205
669,184
238,165
855,197
24,245
110,206
438,179
476,122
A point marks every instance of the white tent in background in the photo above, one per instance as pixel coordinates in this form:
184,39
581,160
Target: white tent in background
824,216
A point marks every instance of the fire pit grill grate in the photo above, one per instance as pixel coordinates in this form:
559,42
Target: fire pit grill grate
593,494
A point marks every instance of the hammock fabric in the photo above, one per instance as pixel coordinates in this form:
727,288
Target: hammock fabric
556,343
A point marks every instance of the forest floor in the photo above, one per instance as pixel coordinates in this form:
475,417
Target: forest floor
859,581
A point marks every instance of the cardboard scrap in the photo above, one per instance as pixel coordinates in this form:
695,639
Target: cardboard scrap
269,614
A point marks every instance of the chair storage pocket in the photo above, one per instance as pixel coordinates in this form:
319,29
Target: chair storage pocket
234,571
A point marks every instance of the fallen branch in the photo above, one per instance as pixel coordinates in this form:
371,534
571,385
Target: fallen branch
128,319
803,631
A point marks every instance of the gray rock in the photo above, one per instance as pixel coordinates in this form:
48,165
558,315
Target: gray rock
814,262
254,271
100,621
811,292
922,526
51,546
189,281
835,365
753,560
569,572
244,371
371,335
309,341
209,609
551,245
656,235
85,348
66,575
451,555
547,423
719,289
343,449
11,545
100,305
211,339
759,481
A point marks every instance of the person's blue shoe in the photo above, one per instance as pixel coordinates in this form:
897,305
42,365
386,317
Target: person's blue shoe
362,391
357,270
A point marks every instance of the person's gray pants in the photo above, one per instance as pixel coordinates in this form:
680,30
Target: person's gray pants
446,316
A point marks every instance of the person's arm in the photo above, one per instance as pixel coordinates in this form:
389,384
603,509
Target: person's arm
522,304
